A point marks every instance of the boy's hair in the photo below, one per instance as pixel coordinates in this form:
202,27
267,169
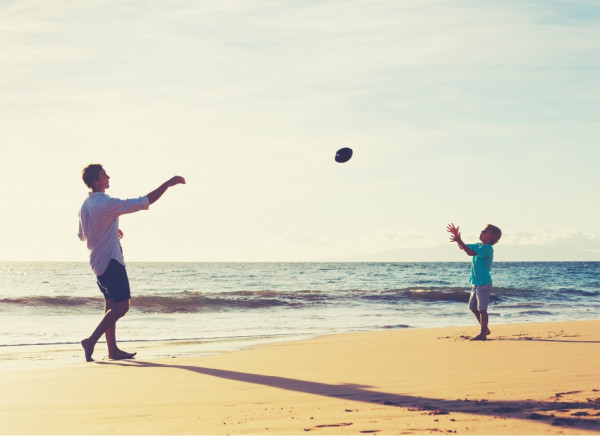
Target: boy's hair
496,233
90,174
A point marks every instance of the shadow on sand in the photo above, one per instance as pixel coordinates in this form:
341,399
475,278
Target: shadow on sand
581,415
528,338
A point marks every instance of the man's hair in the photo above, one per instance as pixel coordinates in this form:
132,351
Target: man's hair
496,233
90,174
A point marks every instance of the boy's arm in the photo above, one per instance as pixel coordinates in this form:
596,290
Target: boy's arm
463,246
456,238
158,192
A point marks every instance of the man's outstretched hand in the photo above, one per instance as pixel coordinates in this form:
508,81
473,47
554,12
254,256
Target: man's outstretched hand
176,180
158,192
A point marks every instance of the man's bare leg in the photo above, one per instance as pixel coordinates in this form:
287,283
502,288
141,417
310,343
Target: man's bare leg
111,316
111,341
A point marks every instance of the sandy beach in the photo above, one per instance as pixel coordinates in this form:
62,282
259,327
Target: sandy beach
539,378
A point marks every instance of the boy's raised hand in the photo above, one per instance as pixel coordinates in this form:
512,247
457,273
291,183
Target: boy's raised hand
455,232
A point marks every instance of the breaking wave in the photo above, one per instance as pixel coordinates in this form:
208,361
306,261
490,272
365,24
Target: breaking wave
197,302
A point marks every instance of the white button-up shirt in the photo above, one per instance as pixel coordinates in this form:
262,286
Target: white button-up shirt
99,225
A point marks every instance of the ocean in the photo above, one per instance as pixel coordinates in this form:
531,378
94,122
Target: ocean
187,309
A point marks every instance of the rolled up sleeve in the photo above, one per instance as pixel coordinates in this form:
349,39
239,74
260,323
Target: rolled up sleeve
117,207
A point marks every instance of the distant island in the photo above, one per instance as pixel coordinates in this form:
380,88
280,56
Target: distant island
503,253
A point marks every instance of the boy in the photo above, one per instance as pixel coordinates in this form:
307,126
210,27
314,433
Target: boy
483,256
99,226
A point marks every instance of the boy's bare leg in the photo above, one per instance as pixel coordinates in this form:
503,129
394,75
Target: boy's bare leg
111,316
482,318
111,341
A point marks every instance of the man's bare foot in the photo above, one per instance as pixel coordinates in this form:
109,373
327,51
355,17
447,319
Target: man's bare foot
88,349
488,332
120,355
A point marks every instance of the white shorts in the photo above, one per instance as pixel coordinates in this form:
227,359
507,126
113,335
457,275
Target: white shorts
480,297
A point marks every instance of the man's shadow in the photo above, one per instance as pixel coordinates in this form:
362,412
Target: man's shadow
526,409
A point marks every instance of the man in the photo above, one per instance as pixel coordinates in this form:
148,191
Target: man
99,226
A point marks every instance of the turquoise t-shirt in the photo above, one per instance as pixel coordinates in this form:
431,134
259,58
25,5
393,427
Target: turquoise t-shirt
482,264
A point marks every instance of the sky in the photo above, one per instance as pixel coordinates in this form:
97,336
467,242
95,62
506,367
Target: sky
470,112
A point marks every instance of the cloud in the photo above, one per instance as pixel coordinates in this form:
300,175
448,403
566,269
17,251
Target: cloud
567,238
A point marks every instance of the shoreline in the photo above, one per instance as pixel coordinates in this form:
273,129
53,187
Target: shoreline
48,355
538,378
40,356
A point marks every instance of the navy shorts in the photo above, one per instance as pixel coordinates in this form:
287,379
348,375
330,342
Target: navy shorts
114,283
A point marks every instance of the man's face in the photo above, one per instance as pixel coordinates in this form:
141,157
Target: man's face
102,183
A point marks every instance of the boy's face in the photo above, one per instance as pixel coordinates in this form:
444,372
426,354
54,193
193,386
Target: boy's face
102,183
486,236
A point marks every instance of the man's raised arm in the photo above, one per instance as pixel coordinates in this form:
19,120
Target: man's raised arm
158,192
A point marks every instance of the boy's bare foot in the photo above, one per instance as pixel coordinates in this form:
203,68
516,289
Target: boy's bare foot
488,332
120,355
88,349
479,337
